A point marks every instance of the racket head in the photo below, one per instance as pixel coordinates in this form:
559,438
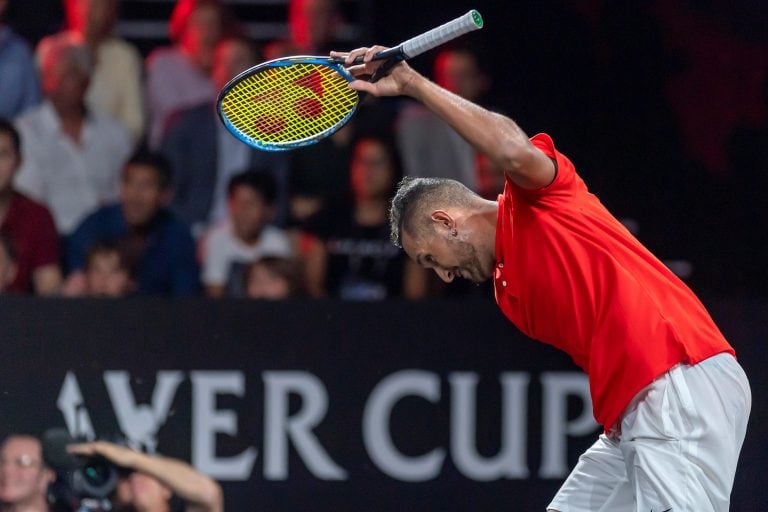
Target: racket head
288,103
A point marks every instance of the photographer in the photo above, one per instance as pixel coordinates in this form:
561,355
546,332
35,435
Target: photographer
24,477
154,480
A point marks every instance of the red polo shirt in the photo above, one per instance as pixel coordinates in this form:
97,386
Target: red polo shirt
32,233
569,274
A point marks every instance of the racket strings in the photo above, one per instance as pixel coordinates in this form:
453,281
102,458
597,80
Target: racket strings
289,103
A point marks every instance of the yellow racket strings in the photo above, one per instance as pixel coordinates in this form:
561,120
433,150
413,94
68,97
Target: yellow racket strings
289,103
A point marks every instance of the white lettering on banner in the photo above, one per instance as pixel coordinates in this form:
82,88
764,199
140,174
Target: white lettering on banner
376,435
556,427
70,403
510,462
283,428
207,421
140,422
279,426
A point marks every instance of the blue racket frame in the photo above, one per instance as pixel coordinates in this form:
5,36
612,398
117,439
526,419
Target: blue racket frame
335,63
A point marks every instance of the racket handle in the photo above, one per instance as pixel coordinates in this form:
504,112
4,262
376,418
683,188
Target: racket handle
442,34
428,40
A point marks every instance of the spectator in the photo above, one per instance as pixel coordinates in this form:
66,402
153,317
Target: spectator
24,477
204,155
274,278
360,261
107,273
245,237
428,146
314,27
179,76
19,84
71,157
115,86
27,226
153,480
7,264
159,248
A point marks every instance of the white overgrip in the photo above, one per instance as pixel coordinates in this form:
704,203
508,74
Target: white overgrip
442,34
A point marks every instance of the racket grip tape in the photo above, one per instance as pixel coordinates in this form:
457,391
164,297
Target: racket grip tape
428,40
442,34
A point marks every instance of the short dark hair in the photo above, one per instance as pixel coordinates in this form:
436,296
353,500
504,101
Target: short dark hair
106,247
287,269
257,180
414,196
154,161
7,128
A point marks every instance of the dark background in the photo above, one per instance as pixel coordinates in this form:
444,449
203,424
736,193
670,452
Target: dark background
350,348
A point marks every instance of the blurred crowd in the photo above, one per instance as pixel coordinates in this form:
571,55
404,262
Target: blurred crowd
117,178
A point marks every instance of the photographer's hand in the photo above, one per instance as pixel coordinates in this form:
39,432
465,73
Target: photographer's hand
115,453
201,493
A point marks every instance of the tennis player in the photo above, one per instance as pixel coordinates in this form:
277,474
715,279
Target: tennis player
664,382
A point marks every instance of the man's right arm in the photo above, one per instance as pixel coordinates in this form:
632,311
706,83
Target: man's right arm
492,134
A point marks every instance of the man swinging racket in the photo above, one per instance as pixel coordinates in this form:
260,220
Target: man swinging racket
665,384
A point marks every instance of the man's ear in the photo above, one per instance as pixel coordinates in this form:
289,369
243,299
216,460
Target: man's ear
444,220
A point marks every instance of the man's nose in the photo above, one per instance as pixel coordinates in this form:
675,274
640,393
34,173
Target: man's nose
445,275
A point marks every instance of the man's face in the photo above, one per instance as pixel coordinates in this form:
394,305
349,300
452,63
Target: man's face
458,72
147,494
106,277
92,18
371,170
64,81
9,162
266,284
23,477
141,194
448,256
249,212
230,59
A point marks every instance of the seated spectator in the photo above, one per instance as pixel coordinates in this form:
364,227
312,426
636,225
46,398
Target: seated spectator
359,258
428,145
159,248
71,157
7,264
274,278
27,226
116,83
179,76
24,477
204,155
314,28
245,236
106,271
19,84
153,480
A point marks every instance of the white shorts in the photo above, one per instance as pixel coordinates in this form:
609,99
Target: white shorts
676,450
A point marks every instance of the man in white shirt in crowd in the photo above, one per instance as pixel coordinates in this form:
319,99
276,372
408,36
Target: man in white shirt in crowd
24,477
71,157
245,236
115,87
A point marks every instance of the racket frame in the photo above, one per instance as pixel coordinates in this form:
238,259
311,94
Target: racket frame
334,63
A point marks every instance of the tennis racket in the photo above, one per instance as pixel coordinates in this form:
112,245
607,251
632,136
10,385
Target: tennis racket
292,102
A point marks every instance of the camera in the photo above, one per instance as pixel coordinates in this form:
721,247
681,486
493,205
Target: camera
83,484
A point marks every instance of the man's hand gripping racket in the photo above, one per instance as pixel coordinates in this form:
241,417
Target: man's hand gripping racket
296,101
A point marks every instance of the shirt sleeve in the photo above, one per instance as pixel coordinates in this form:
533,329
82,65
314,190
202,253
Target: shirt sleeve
214,260
565,185
46,240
